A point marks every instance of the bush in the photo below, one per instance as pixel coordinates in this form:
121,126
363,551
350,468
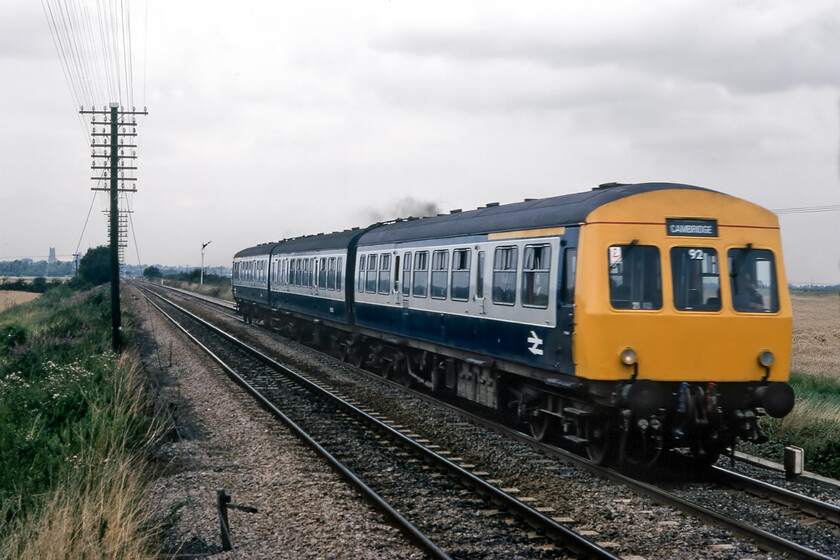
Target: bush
152,272
95,266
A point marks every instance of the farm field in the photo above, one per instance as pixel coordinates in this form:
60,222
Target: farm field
816,333
10,298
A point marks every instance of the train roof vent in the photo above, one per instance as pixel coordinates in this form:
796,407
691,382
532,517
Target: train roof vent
456,211
529,200
492,204
610,185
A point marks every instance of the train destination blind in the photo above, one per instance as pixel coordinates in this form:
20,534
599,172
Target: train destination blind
691,228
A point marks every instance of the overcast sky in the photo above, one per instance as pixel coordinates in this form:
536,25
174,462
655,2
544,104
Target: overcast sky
273,119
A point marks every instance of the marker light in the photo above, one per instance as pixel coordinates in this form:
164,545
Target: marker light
628,356
766,358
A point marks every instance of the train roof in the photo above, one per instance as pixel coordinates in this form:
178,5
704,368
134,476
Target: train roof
261,249
532,214
321,241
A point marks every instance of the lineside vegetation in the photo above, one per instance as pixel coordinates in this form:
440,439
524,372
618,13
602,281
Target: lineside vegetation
814,423
72,428
214,285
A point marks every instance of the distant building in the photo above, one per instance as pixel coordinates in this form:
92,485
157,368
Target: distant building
51,258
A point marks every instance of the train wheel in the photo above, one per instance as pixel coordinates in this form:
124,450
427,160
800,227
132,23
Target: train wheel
540,426
599,446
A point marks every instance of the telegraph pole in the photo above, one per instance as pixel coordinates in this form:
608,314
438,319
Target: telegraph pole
113,152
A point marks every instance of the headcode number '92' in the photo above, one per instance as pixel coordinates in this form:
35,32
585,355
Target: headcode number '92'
696,254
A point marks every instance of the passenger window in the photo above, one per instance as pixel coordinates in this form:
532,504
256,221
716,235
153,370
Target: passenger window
370,286
536,270
635,277
322,273
696,278
331,274
504,275
384,273
440,271
406,277
338,274
752,279
421,274
569,269
461,274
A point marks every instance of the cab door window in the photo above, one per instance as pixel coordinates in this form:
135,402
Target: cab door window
752,280
569,269
635,277
696,278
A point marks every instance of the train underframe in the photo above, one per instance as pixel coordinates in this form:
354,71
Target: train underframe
623,423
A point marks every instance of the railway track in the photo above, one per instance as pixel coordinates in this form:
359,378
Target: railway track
822,516
394,467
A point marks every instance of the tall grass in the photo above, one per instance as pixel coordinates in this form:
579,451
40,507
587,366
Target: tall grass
72,428
97,508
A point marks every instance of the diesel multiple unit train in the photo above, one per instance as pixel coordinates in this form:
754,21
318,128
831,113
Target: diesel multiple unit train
627,320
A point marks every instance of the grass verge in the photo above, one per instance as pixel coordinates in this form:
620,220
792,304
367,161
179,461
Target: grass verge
72,431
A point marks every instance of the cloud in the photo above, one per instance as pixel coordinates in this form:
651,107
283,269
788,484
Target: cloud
748,48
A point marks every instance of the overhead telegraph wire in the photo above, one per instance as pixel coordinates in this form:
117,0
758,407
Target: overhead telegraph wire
808,209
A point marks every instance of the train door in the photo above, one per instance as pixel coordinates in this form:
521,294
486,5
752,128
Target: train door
566,308
396,287
479,283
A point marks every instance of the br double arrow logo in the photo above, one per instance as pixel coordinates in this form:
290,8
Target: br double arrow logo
535,343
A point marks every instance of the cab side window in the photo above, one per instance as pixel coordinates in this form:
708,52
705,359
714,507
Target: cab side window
752,280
